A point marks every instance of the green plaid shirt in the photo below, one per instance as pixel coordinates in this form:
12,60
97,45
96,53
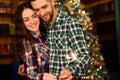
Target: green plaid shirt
63,38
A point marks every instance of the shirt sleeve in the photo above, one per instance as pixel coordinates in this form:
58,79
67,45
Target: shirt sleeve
30,63
78,44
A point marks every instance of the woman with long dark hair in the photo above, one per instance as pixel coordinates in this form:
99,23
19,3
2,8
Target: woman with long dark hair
31,42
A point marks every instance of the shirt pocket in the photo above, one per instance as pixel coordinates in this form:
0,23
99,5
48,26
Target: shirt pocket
60,40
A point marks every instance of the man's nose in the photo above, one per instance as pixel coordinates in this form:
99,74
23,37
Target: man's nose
41,12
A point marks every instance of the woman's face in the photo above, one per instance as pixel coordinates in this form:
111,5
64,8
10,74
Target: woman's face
30,20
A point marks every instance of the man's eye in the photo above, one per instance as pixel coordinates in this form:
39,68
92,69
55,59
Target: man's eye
45,6
36,10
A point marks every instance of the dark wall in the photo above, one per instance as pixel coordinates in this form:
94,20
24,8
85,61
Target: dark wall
108,41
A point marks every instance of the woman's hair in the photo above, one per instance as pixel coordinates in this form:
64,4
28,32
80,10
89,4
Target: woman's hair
21,31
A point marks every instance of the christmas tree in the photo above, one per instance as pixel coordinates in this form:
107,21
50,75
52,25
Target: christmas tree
97,70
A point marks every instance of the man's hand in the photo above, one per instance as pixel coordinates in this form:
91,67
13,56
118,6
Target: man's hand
48,76
21,70
65,75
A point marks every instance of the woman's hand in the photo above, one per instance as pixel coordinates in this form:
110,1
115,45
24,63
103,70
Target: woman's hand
21,70
48,76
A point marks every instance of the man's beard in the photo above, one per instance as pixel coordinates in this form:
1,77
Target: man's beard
51,14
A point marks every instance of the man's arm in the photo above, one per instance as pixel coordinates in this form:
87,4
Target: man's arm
78,44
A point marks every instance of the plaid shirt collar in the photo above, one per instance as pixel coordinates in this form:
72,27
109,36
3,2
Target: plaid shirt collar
41,36
35,35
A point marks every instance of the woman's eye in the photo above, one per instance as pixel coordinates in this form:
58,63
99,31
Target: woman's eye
34,16
25,20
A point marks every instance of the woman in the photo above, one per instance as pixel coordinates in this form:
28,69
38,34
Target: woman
31,42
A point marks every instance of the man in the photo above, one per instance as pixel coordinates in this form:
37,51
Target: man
65,38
